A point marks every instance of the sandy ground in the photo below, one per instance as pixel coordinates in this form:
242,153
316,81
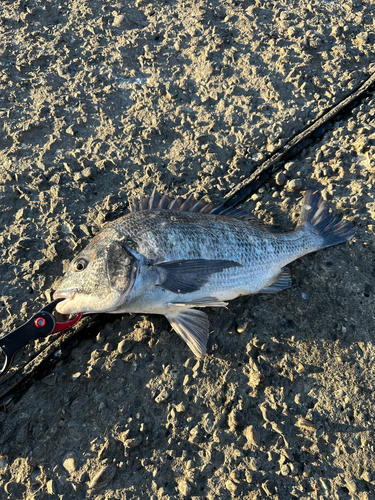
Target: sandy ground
101,100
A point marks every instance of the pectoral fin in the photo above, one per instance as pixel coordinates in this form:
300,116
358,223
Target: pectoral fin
203,302
186,276
282,281
193,327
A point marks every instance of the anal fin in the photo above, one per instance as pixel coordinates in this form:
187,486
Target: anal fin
193,327
282,282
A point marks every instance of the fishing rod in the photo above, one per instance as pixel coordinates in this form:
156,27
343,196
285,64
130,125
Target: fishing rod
300,141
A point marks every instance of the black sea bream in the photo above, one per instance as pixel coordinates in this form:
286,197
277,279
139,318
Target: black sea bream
171,256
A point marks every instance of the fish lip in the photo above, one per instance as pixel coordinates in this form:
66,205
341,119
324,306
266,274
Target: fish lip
67,294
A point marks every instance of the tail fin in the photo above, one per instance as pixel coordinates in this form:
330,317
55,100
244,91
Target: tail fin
315,213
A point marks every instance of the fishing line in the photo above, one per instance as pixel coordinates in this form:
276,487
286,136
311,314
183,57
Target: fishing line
298,143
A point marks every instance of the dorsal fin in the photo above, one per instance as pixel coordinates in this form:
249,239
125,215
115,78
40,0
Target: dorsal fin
163,202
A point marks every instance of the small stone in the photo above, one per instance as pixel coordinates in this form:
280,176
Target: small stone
107,347
362,37
235,419
242,327
300,368
133,442
118,20
306,471
84,477
180,407
268,488
86,172
100,338
51,488
163,396
69,463
3,463
50,379
294,184
251,435
289,167
280,179
304,423
184,487
15,489
22,433
351,485
92,373
366,476
285,470
123,346
75,376
103,477
231,486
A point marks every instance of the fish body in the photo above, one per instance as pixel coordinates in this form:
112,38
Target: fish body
171,257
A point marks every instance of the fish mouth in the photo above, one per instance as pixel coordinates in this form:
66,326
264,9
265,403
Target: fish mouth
65,294
68,295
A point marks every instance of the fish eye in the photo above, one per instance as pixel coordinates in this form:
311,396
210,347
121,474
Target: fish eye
80,265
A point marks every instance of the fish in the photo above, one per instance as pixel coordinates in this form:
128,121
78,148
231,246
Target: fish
175,256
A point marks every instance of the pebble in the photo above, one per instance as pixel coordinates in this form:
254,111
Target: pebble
285,470
75,376
15,489
83,477
123,346
294,184
163,396
103,477
251,435
235,419
241,328
22,433
69,462
289,167
362,37
366,476
184,487
100,338
92,373
132,442
50,379
280,179
180,407
300,368
351,485
3,463
231,486
304,423
51,489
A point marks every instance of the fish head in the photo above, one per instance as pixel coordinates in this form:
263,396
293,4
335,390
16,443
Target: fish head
99,279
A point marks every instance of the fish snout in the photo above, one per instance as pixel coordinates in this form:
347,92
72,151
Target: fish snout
69,293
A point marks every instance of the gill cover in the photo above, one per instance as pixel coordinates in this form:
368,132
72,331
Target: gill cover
121,267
